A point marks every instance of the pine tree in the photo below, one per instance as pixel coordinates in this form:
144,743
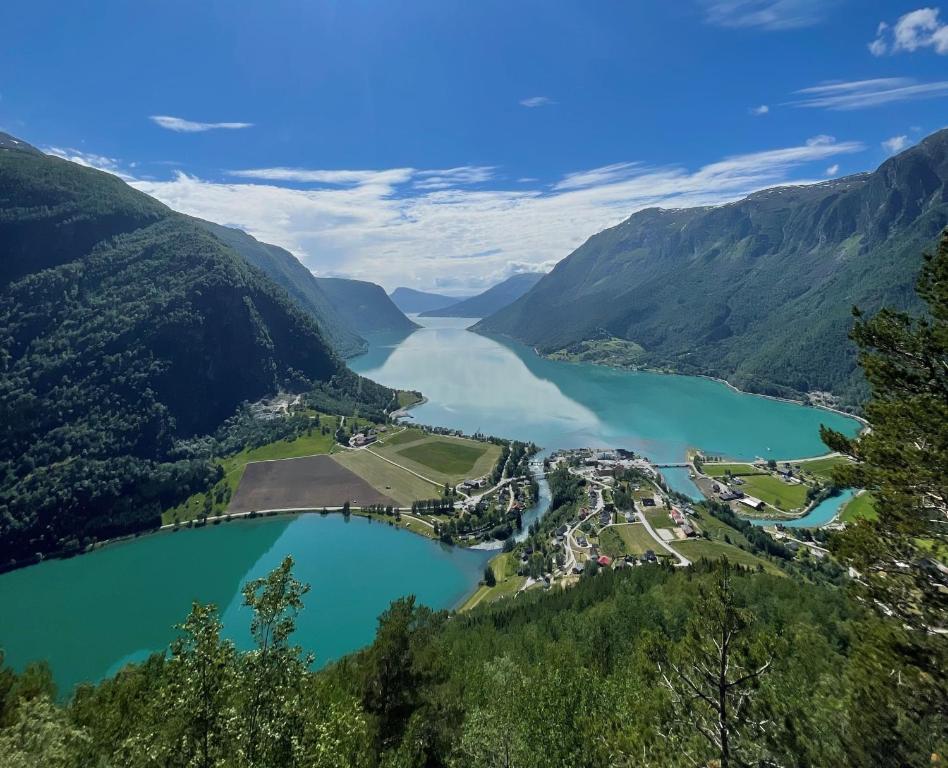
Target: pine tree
903,459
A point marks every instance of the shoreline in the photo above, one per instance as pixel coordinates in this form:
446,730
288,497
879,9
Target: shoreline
710,377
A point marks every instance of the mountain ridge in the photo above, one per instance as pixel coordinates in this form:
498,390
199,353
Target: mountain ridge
411,301
757,291
492,300
128,332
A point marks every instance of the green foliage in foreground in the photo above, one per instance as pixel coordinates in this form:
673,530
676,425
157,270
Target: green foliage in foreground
903,460
626,668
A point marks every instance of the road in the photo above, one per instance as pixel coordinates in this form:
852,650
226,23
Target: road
682,560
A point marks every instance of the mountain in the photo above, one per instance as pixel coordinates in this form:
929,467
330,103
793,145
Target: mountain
492,300
284,269
410,301
758,291
364,306
127,333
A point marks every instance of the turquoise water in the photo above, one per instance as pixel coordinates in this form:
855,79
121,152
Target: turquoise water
475,383
678,479
92,614
89,615
821,514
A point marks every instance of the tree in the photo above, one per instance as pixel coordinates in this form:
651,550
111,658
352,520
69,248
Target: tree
275,671
42,736
200,694
493,735
489,579
391,686
712,676
902,460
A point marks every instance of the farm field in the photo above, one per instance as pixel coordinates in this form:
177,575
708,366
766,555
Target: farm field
695,549
309,482
775,492
861,506
822,468
720,470
628,539
233,466
387,479
441,458
409,435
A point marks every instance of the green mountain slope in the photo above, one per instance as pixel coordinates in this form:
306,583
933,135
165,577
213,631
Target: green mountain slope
758,291
409,301
492,300
364,306
124,328
284,269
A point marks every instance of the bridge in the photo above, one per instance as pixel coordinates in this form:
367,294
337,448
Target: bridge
683,465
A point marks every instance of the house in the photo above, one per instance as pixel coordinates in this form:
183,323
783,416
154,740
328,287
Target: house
688,530
605,561
751,502
648,501
578,568
650,556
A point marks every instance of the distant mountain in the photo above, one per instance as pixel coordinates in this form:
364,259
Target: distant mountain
410,301
283,268
364,306
493,299
757,291
127,333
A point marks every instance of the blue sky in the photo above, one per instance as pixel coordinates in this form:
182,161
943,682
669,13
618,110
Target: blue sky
444,144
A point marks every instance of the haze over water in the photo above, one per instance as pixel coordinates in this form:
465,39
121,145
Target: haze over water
500,387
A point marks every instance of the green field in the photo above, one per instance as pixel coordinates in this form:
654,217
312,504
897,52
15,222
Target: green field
822,468
627,539
720,470
441,458
406,398
386,478
861,506
446,457
775,492
409,435
659,518
508,582
307,445
695,549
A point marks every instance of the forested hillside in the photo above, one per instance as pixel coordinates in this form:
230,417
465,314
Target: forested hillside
493,299
124,329
364,306
284,269
758,291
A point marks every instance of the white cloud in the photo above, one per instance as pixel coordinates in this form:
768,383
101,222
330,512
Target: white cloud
833,169
922,28
607,174
763,109
454,177
334,178
895,144
90,160
536,101
861,94
767,14
180,125
381,227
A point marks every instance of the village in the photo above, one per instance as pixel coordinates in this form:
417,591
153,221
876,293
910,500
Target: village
628,516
